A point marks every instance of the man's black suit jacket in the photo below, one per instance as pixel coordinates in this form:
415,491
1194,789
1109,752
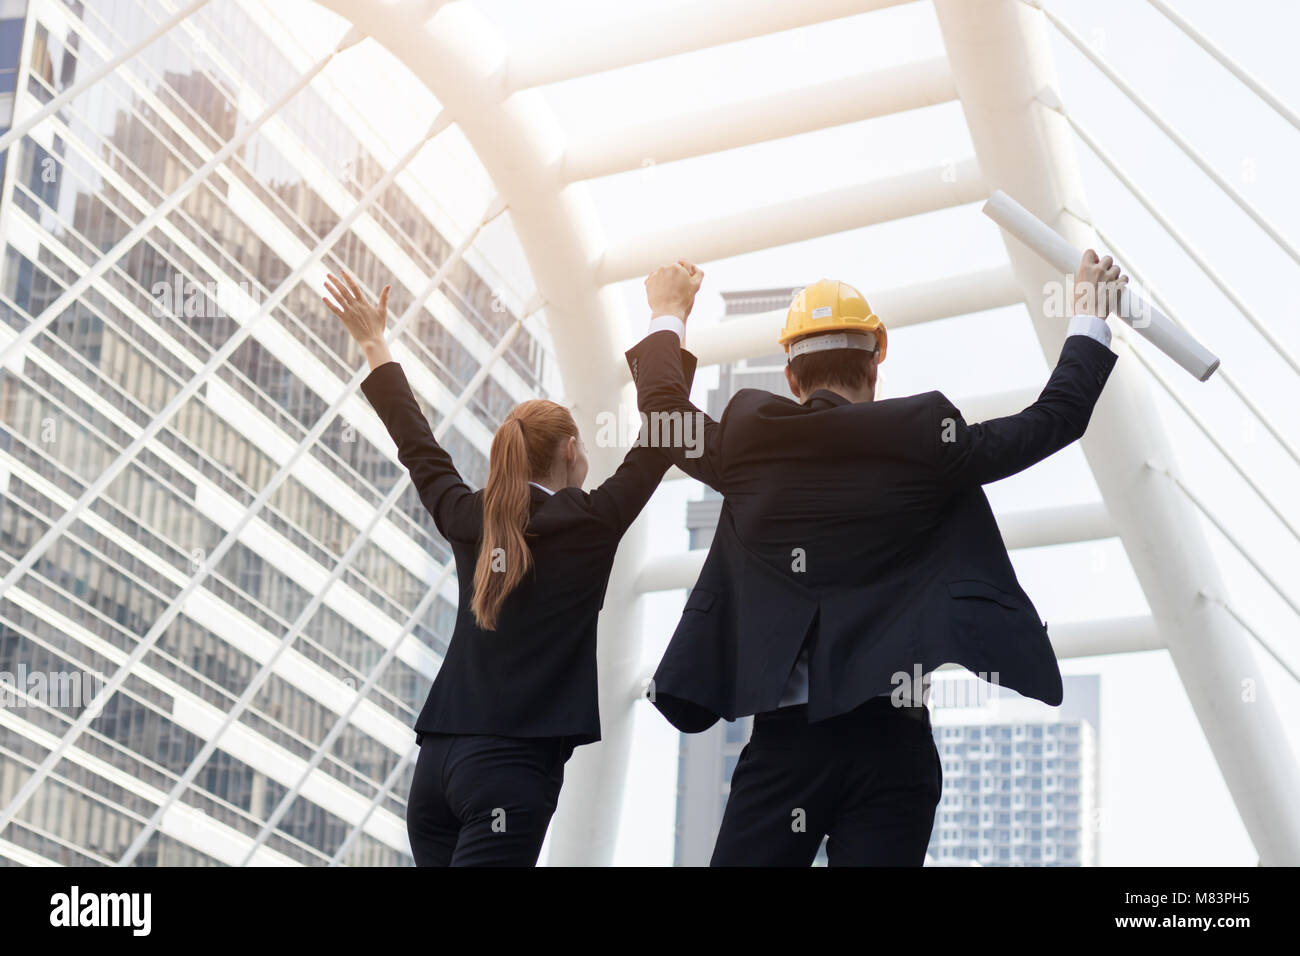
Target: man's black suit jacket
860,529
535,675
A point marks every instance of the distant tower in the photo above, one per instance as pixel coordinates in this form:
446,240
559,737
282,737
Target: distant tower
1020,779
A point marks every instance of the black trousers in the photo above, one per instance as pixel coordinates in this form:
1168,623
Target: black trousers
479,800
869,780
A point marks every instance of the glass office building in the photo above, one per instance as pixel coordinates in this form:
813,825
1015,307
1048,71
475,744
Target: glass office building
110,361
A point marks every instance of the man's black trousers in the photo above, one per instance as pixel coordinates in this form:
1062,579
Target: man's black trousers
869,780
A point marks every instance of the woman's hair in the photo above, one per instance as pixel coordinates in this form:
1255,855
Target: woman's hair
523,447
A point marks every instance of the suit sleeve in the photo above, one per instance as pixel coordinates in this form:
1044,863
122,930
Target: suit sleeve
622,495
690,438
444,494
990,451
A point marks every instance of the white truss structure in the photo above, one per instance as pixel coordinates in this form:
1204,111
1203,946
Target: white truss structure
999,67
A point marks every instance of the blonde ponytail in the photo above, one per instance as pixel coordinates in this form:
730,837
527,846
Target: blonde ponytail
523,447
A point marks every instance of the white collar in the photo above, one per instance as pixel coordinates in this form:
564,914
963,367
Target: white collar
543,487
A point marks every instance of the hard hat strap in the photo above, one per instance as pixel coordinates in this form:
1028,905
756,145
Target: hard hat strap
826,341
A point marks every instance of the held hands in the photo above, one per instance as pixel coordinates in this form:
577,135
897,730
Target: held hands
364,321
1097,286
670,290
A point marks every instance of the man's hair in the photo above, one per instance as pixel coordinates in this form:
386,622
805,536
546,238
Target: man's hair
845,368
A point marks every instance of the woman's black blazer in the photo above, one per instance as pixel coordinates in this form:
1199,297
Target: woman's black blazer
535,675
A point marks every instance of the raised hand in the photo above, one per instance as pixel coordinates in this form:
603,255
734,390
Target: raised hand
670,290
364,321
1097,285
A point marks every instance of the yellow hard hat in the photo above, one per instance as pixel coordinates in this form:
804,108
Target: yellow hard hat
831,306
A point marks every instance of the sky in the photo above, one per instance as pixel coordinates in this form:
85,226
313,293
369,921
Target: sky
1163,798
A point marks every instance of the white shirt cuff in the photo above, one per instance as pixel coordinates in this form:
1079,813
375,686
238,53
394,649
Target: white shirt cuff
1092,327
671,322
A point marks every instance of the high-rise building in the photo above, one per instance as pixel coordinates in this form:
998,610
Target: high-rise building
292,599
1020,779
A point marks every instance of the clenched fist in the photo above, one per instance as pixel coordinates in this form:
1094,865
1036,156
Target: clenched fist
1097,286
670,290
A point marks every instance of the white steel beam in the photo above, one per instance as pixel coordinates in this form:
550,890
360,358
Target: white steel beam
671,572
807,217
1287,597
751,336
654,35
760,119
1111,635
1242,472
1066,524
1281,661
1001,59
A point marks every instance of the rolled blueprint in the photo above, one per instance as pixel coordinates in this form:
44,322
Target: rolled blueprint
1145,319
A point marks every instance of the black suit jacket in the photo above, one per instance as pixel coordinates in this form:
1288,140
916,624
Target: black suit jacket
535,675
861,530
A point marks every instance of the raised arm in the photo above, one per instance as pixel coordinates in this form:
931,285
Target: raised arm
996,449
622,495
441,489
440,486
690,438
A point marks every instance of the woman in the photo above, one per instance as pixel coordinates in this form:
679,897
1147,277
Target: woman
517,689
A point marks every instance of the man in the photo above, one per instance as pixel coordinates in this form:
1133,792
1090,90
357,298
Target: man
855,550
